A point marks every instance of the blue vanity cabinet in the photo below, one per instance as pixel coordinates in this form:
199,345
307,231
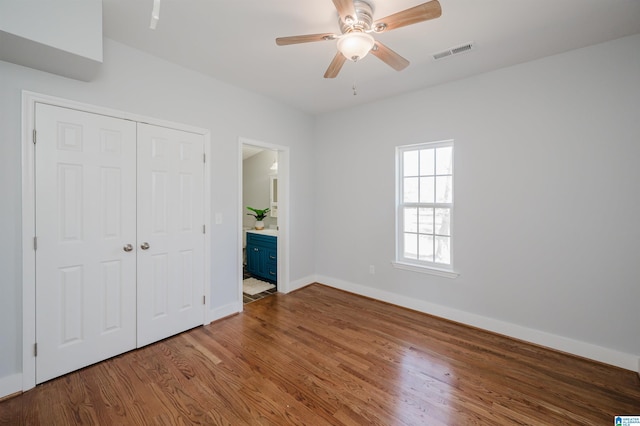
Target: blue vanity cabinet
262,256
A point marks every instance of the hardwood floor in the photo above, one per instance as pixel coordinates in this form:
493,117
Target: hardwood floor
320,356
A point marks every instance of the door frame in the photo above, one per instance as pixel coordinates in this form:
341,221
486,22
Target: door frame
29,101
283,213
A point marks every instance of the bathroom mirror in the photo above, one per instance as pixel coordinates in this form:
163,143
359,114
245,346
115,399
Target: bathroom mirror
273,194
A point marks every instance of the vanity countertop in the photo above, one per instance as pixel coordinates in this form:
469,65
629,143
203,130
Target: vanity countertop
272,232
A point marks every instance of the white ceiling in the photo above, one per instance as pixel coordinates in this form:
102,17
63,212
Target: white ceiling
234,41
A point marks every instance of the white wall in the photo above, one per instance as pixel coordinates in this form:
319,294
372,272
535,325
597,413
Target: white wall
73,26
134,82
63,36
547,199
256,182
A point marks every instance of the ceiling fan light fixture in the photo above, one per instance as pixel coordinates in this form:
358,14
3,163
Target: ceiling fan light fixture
355,45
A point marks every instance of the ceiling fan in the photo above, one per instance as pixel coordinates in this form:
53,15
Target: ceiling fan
357,24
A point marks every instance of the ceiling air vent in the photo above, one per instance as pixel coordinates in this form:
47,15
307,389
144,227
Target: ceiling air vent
453,51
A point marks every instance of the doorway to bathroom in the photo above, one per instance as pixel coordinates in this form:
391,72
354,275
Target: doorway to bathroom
263,220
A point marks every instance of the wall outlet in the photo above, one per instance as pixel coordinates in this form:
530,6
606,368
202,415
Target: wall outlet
372,269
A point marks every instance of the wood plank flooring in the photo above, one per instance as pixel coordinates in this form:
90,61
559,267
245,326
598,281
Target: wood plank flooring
320,356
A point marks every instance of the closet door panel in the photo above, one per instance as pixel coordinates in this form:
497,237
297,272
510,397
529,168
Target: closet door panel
85,215
170,232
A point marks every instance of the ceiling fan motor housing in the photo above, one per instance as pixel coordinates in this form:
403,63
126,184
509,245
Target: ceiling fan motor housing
362,21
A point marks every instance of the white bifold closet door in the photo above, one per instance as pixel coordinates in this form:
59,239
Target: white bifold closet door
119,258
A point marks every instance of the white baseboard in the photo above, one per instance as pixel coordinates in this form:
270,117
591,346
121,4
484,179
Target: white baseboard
560,343
302,282
224,311
10,385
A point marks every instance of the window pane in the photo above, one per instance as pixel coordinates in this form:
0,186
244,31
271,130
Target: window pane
427,162
410,190
444,189
410,246
443,250
427,190
411,219
425,197
410,163
426,248
444,163
443,222
426,221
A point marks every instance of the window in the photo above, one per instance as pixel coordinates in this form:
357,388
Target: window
425,205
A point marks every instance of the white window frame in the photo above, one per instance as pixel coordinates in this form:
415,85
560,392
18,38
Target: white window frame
417,265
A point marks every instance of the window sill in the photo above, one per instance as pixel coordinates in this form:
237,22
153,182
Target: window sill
425,269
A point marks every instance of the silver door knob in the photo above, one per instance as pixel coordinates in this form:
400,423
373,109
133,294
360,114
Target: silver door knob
144,246
128,247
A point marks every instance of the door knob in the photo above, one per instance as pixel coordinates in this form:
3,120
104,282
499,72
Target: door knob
144,246
128,247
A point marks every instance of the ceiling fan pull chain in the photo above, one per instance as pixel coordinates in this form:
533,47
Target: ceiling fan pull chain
355,77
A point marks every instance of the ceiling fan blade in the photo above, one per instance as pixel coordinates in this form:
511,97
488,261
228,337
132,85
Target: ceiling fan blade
346,10
389,57
335,66
307,38
420,13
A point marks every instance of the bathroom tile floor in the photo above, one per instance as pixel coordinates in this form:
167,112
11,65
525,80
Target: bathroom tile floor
248,298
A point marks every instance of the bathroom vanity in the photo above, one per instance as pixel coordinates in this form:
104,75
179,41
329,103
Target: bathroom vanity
262,254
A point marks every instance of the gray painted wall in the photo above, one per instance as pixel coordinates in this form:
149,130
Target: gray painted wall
138,83
547,196
546,186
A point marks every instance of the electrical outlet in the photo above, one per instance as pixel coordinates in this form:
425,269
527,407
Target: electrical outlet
372,269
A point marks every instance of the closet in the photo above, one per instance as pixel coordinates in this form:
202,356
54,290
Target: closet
119,220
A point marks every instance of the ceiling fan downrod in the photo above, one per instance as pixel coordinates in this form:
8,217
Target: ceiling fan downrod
361,22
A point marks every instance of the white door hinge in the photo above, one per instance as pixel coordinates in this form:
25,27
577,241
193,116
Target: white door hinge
204,229
34,136
35,243
204,300
35,349
204,158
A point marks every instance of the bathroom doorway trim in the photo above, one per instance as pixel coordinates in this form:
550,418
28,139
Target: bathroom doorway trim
283,212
